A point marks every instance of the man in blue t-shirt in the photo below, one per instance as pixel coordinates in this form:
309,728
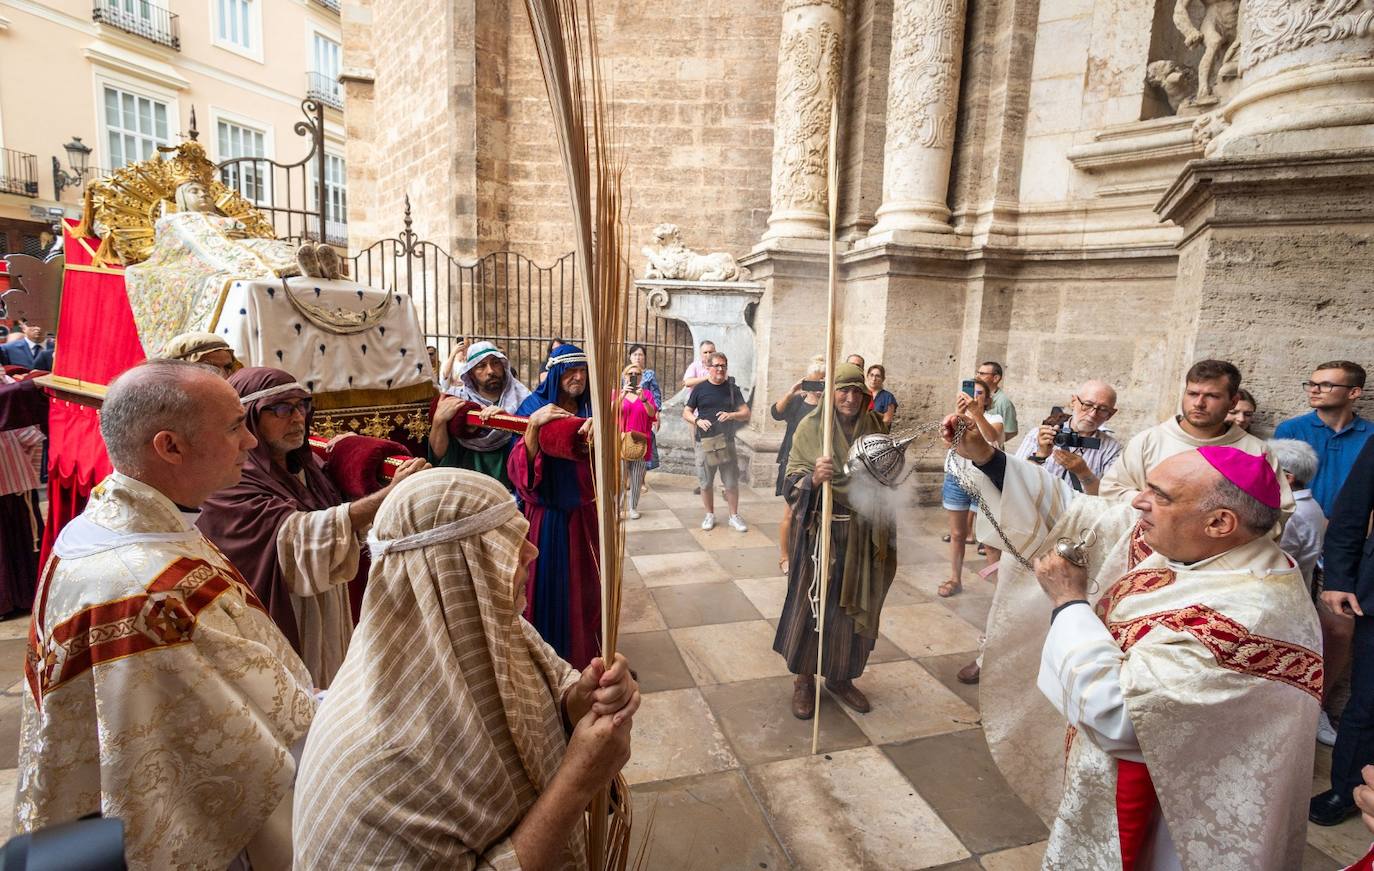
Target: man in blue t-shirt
1332,427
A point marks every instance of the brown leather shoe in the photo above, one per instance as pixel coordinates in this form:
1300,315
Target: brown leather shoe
970,673
804,697
846,692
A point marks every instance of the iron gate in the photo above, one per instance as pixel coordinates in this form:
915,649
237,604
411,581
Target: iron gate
507,298
504,296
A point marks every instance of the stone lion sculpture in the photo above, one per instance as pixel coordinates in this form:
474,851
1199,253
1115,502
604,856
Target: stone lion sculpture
669,258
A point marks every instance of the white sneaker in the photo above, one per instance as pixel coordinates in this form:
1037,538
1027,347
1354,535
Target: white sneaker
709,522
634,514
1326,734
737,523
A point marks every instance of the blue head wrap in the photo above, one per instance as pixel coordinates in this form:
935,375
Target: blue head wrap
563,358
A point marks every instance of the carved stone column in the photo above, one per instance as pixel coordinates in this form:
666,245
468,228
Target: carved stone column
1307,70
922,98
809,58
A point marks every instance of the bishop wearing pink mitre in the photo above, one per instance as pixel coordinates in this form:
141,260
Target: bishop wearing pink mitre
1185,658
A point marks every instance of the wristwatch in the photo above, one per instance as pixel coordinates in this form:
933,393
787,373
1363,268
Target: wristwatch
1037,459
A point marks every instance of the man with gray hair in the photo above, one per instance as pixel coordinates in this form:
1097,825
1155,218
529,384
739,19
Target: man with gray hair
1058,444
1302,534
158,689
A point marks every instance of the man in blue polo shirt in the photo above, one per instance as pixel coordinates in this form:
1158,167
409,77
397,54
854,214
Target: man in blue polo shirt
1332,427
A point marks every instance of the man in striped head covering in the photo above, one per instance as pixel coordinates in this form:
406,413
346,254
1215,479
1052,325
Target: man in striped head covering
505,743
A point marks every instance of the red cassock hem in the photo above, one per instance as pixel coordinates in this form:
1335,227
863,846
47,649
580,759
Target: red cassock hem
1136,808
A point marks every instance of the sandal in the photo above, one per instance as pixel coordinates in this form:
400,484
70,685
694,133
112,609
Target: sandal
782,566
987,573
946,536
949,588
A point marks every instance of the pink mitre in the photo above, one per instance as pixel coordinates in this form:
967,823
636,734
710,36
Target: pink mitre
1249,472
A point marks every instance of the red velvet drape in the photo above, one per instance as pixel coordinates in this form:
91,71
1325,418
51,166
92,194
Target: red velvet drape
97,339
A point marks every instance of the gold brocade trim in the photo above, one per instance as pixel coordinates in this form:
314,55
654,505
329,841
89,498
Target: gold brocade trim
375,421
357,401
102,270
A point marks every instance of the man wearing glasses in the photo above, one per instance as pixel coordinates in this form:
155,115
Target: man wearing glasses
286,527
1332,427
1082,467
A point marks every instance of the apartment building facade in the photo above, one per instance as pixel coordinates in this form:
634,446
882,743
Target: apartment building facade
88,86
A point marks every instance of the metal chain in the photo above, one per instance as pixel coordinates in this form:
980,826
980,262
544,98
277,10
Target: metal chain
966,484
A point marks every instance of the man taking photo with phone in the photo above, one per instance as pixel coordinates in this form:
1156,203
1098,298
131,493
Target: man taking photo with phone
1073,444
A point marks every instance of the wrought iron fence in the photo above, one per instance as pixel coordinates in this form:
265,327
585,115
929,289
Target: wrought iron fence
509,299
295,197
18,173
504,297
141,18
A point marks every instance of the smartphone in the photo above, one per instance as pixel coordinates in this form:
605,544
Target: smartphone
813,386
967,387
634,379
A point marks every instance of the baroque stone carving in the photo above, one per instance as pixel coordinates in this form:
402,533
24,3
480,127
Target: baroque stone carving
1216,33
1279,26
924,77
1208,127
808,77
670,259
1174,79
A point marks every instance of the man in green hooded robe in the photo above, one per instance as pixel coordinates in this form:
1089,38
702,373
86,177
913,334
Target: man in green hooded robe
863,555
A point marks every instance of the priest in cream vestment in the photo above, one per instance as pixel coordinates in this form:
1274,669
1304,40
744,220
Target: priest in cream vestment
158,689
1185,659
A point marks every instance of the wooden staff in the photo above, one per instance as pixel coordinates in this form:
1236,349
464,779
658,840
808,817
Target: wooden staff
827,430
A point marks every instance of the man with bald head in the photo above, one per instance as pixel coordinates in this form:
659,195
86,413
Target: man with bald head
1178,643
1082,467
158,689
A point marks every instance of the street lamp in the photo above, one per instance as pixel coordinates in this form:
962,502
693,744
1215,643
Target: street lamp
78,158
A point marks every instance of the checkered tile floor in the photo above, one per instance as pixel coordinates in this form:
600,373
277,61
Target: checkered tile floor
720,764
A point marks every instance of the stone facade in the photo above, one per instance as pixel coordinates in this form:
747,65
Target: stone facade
1048,184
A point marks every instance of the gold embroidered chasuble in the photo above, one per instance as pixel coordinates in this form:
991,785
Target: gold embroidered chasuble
158,691
1220,674
180,287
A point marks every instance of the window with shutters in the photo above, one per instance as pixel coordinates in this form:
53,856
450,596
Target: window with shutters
135,126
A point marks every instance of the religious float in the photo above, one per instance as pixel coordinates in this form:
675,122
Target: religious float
164,247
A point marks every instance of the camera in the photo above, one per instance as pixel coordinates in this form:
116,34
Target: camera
1071,439
813,386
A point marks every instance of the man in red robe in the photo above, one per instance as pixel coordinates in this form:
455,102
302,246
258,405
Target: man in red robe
553,479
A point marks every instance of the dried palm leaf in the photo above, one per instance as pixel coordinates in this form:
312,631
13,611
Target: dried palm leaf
569,56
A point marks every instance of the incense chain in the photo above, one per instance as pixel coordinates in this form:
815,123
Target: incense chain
965,483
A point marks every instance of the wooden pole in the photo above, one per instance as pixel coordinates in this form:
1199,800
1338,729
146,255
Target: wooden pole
827,429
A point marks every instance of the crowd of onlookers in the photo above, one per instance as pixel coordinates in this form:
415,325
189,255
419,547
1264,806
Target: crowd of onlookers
1325,461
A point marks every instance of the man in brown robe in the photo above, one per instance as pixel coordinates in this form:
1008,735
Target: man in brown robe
286,526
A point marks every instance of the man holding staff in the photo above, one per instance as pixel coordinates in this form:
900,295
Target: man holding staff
863,556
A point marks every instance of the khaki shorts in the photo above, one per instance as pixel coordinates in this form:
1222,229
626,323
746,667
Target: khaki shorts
706,475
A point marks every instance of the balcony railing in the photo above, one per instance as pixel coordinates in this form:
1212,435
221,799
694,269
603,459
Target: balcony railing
332,5
141,18
324,88
18,173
